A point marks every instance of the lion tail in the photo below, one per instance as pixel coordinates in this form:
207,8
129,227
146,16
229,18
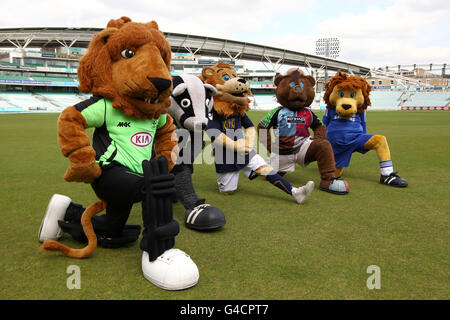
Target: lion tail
92,210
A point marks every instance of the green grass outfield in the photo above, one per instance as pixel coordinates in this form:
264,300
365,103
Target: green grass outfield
270,248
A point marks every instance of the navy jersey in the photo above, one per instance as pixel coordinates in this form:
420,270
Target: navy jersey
227,160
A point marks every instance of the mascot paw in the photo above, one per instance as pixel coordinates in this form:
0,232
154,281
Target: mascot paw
173,270
336,186
204,217
56,209
80,172
301,194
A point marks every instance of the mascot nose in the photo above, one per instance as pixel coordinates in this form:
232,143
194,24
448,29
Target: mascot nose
242,81
160,84
346,106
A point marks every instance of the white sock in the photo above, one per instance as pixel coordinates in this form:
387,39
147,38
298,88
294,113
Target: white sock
386,167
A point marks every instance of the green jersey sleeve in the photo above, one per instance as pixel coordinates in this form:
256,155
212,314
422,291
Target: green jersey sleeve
95,114
267,121
162,121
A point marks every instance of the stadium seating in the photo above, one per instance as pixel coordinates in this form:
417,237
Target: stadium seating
59,79
62,100
263,102
428,99
6,106
381,100
386,100
7,77
25,101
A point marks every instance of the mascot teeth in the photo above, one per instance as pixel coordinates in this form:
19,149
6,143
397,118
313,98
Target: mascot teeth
152,101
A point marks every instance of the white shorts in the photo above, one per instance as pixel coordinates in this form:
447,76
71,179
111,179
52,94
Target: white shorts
228,181
286,163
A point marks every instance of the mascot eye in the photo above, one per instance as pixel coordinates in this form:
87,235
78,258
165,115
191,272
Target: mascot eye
127,53
292,84
301,84
226,77
207,102
352,94
185,103
342,94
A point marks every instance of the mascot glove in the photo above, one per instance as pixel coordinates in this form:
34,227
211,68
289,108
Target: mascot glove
241,146
249,143
83,167
320,132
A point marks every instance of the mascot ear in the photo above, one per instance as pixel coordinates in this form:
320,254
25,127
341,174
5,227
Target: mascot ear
311,80
211,89
118,23
89,62
207,72
153,24
179,89
103,36
278,79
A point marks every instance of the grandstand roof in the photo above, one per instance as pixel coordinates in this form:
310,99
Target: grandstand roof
207,46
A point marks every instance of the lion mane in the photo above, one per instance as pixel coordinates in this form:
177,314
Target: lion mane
103,71
344,81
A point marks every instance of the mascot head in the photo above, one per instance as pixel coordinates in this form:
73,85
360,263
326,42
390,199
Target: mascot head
129,63
295,90
347,94
191,102
233,91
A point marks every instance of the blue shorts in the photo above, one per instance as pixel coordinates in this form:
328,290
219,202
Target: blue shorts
344,145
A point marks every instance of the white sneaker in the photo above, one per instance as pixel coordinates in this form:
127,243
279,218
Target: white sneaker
56,209
302,193
173,270
309,188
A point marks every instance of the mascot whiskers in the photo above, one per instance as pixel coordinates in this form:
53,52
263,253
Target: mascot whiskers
127,69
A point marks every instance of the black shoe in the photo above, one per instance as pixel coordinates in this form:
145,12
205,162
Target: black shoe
393,180
74,212
204,217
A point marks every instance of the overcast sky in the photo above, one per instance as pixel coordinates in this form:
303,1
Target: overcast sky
371,33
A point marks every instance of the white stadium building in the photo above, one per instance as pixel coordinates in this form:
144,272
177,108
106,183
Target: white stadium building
38,71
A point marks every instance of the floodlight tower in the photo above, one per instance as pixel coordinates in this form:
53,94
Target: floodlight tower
327,47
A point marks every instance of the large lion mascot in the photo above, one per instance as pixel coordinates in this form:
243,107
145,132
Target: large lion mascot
127,69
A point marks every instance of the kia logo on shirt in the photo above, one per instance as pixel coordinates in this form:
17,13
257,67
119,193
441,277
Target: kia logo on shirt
141,139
